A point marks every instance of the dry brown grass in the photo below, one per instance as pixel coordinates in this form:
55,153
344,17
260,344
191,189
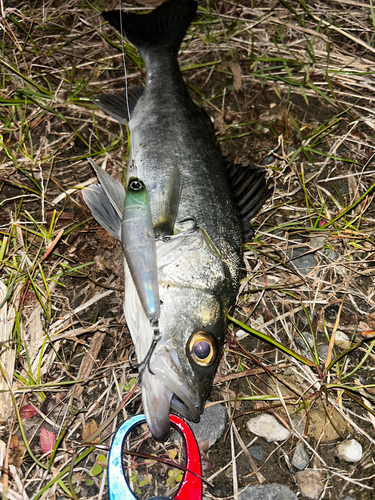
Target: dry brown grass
286,77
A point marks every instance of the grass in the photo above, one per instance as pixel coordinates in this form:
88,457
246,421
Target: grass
293,78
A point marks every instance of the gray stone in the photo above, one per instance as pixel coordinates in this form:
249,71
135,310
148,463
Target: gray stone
299,423
256,452
301,343
331,254
305,263
211,425
323,351
267,492
268,427
272,157
322,348
300,458
317,241
302,346
350,451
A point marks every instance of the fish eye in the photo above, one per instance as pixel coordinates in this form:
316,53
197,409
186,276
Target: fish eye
136,185
202,348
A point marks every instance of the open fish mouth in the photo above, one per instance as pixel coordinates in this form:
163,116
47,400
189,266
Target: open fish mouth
164,390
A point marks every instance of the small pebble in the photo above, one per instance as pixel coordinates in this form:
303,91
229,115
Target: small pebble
309,482
300,458
331,254
304,264
268,427
211,425
256,452
267,492
350,451
298,424
342,340
323,351
317,242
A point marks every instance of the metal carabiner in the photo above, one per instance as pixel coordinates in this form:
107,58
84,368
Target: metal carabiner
191,486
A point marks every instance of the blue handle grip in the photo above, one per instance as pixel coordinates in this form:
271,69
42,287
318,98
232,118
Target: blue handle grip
191,487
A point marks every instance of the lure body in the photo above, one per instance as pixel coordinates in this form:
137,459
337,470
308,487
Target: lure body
138,240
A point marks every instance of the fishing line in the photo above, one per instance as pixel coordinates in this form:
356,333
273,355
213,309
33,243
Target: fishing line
124,63
154,323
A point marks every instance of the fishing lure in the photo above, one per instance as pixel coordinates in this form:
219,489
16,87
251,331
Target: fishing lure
138,243
191,486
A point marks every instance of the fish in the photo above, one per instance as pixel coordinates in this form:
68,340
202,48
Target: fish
197,230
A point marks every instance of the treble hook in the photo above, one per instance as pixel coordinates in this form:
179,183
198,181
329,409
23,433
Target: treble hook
146,362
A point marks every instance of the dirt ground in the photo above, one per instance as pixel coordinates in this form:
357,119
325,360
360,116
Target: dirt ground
289,87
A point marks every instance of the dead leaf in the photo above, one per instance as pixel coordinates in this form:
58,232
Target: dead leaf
204,446
237,75
89,360
219,122
363,327
90,428
47,440
371,320
27,411
13,442
17,450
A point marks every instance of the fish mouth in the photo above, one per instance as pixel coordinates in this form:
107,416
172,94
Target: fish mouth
156,398
165,388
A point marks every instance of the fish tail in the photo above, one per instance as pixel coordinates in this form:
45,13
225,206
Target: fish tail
166,25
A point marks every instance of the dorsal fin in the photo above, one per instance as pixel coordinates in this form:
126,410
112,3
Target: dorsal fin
115,105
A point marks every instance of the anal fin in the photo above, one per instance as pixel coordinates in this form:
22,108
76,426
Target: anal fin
250,191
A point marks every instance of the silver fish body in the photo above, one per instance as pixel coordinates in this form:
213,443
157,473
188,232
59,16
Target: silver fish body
198,272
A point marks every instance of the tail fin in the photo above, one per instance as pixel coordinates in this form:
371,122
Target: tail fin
166,25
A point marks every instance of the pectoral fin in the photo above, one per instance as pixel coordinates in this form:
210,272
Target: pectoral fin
106,201
114,190
102,210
